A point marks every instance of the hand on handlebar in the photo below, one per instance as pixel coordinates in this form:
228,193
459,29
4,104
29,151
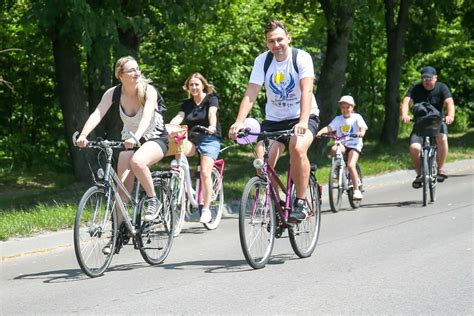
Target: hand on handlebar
300,128
235,129
406,119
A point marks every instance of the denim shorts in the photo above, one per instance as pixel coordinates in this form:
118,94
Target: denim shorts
208,145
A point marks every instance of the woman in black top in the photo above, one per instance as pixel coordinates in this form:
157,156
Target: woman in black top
201,109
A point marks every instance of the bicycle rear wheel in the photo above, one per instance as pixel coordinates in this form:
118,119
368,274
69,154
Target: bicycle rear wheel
217,202
335,186
433,168
178,200
95,226
257,223
156,237
350,192
304,235
425,175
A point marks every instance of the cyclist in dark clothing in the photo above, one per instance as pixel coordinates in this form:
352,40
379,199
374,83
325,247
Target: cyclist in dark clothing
438,94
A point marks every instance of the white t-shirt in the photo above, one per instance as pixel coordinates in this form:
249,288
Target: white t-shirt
282,85
344,126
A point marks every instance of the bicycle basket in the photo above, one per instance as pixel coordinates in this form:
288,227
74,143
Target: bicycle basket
177,147
428,125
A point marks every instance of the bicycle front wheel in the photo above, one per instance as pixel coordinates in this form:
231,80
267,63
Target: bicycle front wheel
95,227
257,223
217,200
156,237
350,192
425,175
433,167
178,200
304,235
335,187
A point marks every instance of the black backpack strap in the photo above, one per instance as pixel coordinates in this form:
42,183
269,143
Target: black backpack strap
116,95
269,58
268,61
294,54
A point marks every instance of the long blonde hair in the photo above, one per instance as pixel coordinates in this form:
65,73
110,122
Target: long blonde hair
208,88
142,83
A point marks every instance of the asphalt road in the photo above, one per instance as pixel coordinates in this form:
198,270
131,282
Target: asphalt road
391,256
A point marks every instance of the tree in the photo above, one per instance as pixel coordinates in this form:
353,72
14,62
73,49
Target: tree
396,32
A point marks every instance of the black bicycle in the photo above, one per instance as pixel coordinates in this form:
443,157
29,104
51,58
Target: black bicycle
428,127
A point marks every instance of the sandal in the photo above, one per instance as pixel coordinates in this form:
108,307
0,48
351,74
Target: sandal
418,182
442,175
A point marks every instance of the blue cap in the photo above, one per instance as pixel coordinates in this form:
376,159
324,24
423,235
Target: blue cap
428,71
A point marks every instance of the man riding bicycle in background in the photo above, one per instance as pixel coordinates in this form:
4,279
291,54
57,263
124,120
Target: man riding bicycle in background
437,94
290,104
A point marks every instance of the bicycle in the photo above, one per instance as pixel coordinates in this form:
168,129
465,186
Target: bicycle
263,217
185,199
428,127
96,222
340,180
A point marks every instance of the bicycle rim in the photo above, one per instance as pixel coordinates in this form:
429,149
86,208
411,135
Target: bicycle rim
256,223
304,235
425,175
94,228
178,201
217,202
156,237
335,188
355,203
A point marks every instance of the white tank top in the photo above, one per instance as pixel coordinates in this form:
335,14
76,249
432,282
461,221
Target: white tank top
130,124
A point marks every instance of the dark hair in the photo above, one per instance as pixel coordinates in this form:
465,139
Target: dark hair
273,25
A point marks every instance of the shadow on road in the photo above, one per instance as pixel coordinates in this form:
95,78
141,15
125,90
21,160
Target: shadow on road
390,204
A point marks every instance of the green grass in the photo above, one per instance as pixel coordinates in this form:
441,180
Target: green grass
32,202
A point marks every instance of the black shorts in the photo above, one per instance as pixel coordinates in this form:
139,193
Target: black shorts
416,139
161,141
273,126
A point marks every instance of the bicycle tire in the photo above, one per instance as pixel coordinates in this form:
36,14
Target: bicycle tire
350,192
425,175
156,237
94,228
217,202
178,200
433,168
304,236
257,222
335,187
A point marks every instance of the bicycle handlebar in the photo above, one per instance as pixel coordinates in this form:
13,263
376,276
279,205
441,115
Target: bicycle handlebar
335,137
246,132
198,128
100,143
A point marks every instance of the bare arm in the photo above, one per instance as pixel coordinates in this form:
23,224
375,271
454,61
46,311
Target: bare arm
404,107
96,116
449,103
306,100
323,130
178,119
212,116
245,106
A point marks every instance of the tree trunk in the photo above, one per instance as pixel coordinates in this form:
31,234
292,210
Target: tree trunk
71,99
339,20
395,41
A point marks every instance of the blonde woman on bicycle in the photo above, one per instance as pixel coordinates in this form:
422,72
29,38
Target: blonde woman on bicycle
201,108
348,123
138,103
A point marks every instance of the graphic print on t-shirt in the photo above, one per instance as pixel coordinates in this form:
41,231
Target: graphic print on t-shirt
284,89
346,129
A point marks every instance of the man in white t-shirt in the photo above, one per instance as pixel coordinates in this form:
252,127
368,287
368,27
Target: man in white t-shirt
290,104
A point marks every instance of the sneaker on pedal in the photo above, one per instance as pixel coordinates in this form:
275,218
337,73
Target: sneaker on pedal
206,216
152,209
300,210
357,195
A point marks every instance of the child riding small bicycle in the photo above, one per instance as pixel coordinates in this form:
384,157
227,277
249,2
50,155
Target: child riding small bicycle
348,123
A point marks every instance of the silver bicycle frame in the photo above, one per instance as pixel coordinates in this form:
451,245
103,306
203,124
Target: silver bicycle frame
191,193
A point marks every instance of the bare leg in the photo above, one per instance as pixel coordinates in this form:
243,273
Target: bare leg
300,166
148,154
206,180
352,158
415,150
442,142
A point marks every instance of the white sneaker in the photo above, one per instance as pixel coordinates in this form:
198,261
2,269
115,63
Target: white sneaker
357,195
206,216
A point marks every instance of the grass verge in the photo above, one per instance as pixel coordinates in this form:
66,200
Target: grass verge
32,202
